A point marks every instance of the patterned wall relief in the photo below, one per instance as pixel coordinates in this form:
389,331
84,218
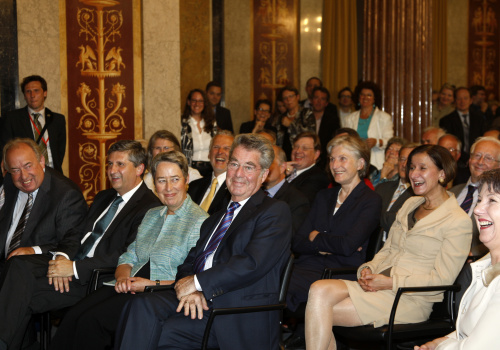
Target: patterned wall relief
100,86
275,47
484,45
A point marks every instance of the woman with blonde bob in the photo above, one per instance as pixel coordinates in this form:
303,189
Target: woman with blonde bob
427,245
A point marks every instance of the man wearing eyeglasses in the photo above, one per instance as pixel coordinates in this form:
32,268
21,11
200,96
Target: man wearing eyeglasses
485,155
236,262
262,113
453,145
302,171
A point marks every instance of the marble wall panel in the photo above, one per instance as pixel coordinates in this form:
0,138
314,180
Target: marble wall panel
457,42
311,15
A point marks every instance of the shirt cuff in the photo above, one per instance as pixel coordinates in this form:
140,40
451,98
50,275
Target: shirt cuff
197,284
74,270
37,249
59,253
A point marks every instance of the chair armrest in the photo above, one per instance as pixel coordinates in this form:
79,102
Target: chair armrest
449,288
328,272
96,274
152,289
235,310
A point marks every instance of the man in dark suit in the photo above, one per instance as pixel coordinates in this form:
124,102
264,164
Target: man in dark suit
485,155
302,171
464,123
41,205
211,192
395,193
262,113
327,118
222,115
237,267
30,121
277,187
24,287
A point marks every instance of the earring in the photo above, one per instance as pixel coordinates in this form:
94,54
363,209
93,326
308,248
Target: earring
441,180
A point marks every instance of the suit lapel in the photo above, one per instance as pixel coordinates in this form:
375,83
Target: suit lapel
26,123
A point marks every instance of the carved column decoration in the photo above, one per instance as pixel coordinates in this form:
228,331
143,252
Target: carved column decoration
398,56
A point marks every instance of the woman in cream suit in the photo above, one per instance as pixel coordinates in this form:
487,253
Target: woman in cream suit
372,124
477,323
427,245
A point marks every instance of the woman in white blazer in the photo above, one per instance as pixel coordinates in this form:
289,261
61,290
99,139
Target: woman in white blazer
372,124
477,323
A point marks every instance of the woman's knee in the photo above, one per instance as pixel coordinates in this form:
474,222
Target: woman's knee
328,289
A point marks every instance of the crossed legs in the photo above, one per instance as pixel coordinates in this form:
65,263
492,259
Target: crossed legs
328,305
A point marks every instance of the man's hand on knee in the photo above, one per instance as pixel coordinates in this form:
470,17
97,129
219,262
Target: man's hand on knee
193,304
61,284
185,286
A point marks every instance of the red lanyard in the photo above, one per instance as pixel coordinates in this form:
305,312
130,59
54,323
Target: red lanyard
38,130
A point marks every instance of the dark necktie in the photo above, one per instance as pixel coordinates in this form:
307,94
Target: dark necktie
466,133
199,263
292,176
38,130
99,229
467,203
15,242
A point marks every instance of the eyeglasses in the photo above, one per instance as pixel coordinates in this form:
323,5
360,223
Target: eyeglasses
247,169
486,158
163,149
289,97
365,95
451,149
303,148
345,96
198,101
264,110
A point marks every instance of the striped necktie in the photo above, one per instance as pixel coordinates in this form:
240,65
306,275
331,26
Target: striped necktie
199,263
15,242
38,130
467,203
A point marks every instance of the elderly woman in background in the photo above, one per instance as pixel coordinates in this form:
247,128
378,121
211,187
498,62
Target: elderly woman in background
198,126
164,141
163,241
444,104
427,245
389,171
340,222
372,124
477,323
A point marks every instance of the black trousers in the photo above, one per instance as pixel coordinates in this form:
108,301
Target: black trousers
24,290
151,322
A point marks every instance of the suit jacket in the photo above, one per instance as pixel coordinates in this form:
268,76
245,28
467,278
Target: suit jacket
246,270
17,124
298,203
386,191
223,118
58,208
311,181
198,188
120,233
477,247
340,234
329,125
452,123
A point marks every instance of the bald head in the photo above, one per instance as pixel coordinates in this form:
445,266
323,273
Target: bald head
452,144
431,135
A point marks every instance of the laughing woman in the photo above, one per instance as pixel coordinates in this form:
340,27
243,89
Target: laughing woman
427,245
477,323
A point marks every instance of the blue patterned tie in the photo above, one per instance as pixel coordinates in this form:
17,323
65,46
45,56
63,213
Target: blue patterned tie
99,228
467,203
199,262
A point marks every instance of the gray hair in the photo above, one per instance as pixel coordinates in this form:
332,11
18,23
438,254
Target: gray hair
459,143
255,142
485,138
357,146
136,153
15,143
174,157
220,132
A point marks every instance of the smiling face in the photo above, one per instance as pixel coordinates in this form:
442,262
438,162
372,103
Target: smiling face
303,153
27,172
344,165
424,175
392,153
163,145
481,159
463,101
34,95
170,185
487,214
197,104
219,153
320,101
366,98
263,113
446,97
214,95
246,178
122,173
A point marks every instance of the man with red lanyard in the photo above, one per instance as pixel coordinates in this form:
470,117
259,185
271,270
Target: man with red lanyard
34,119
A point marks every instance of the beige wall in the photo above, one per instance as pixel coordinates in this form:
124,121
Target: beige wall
457,42
238,60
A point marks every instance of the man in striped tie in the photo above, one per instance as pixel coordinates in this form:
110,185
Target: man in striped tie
236,262
485,155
